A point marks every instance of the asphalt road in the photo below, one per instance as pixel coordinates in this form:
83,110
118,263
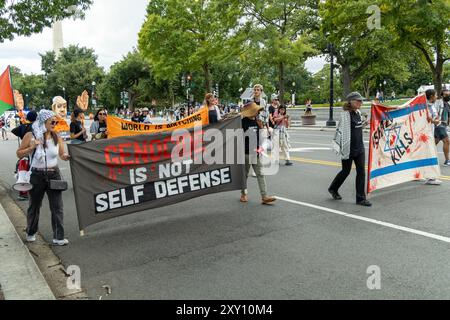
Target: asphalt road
216,248
323,114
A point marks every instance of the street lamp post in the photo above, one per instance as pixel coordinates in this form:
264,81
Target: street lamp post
42,99
64,93
331,122
94,102
293,94
189,80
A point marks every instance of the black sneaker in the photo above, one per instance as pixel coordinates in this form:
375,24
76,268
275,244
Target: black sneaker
335,195
289,163
364,203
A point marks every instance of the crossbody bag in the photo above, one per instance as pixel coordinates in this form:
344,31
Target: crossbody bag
55,185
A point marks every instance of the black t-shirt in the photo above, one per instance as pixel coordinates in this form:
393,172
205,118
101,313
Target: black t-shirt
272,113
251,128
213,118
22,130
102,127
445,114
76,128
357,141
135,119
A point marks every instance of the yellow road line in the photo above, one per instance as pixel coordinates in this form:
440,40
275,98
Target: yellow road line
337,164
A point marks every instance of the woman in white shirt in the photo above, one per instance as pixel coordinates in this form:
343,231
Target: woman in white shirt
43,145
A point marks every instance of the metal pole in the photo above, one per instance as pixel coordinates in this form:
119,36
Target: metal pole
331,122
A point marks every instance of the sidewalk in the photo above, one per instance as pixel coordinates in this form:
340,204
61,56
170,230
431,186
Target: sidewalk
320,126
20,277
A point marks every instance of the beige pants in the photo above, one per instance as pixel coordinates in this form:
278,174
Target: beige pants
258,170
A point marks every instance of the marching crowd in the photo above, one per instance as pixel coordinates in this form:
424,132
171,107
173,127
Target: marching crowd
42,144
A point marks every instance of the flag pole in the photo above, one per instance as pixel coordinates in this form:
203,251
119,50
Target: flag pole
14,97
11,85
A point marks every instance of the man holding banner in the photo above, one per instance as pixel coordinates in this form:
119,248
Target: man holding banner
441,133
433,119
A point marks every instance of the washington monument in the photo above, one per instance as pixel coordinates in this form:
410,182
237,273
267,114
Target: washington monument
58,42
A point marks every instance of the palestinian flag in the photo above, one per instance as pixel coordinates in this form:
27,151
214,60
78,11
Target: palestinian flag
6,92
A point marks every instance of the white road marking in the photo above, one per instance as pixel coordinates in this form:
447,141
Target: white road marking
313,135
373,221
312,144
308,149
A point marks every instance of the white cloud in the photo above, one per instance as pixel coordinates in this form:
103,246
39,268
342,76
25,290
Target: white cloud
111,27
315,64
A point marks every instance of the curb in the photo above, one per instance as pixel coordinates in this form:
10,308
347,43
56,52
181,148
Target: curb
20,276
49,265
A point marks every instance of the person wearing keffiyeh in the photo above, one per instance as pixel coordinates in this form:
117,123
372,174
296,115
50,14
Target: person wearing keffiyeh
43,145
352,149
39,131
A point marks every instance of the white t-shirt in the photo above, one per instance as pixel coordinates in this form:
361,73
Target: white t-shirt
51,152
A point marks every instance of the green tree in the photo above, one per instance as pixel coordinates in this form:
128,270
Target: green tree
424,26
25,17
133,75
389,68
320,89
280,32
447,73
363,53
186,35
75,71
32,87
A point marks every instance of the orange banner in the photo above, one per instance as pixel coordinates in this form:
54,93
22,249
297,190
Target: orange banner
122,128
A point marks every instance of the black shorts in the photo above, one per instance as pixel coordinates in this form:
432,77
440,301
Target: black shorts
440,133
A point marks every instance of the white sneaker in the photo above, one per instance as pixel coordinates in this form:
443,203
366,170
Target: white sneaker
446,164
60,243
31,238
433,182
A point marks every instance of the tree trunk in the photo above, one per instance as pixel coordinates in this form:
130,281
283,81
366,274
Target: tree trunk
171,94
133,97
366,84
207,75
281,83
347,80
438,69
438,76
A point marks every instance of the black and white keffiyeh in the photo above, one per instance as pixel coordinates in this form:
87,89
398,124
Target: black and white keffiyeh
39,131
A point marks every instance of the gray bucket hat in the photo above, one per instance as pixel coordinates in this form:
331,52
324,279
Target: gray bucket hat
355,96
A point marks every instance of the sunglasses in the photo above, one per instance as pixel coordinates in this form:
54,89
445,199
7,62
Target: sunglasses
102,114
54,123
